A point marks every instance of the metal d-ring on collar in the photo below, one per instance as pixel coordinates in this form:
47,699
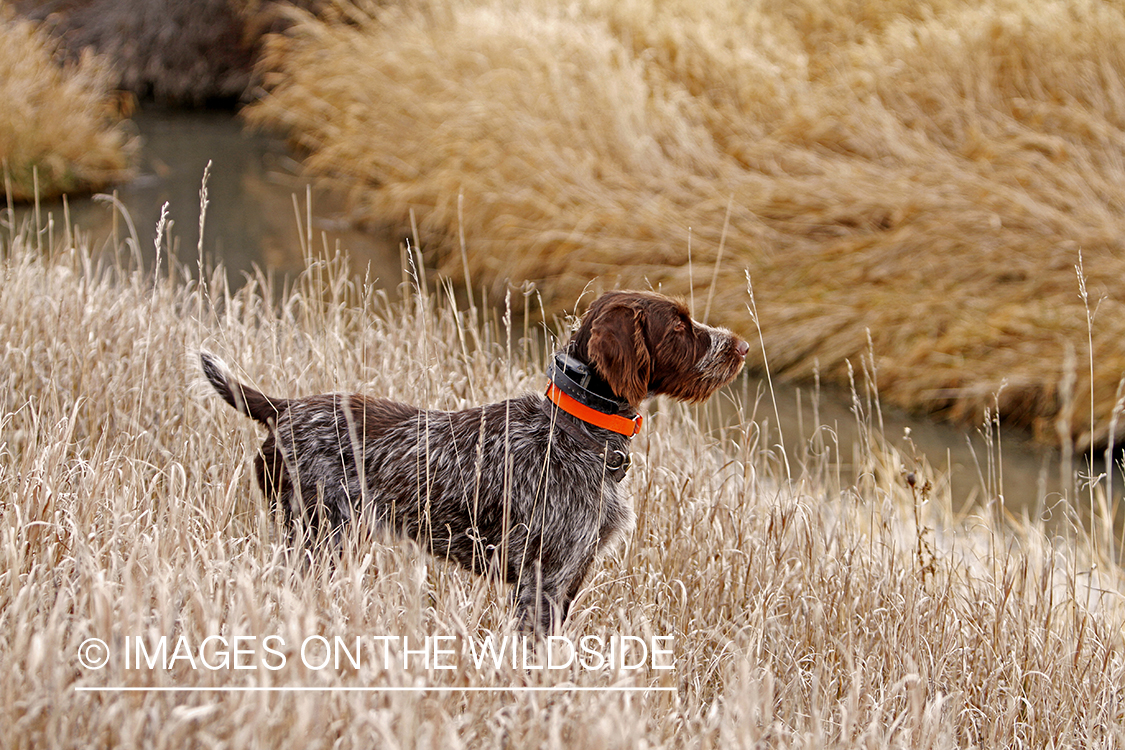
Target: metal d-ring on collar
617,461
574,378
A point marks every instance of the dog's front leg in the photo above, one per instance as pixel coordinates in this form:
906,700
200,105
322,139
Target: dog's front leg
539,603
544,601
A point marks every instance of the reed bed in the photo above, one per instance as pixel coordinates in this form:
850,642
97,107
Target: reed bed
808,605
912,179
61,124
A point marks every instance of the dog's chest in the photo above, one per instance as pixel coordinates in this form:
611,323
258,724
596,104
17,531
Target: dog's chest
616,519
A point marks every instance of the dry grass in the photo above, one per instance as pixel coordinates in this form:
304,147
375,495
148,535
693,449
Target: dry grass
805,612
60,121
927,172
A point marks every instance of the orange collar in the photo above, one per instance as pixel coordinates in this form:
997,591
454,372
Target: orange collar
614,422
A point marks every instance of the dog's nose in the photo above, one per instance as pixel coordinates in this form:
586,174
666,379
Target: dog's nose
741,348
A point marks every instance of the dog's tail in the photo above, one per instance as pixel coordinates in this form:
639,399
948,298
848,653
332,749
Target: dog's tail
245,399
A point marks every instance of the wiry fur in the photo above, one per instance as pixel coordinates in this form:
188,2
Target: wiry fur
498,488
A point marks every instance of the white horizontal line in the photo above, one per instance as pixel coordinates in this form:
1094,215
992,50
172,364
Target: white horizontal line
389,689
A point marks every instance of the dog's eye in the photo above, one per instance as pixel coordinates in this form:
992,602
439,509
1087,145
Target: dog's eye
680,327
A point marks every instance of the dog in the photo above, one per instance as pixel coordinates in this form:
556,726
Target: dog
527,489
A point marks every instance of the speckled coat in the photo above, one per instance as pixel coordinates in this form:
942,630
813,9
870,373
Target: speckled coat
517,488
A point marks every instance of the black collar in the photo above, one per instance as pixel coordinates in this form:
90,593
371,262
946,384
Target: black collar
578,380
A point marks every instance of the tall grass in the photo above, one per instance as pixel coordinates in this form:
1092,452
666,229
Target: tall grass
826,610
61,123
926,172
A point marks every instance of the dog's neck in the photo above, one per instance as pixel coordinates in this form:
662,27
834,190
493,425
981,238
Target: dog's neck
577,400
576,388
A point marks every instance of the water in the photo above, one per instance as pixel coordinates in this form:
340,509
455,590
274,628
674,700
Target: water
979,465
251,222
250,219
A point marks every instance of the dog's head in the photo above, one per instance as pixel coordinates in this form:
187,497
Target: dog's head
643,344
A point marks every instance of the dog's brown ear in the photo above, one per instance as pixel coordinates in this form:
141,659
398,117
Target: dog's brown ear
617,349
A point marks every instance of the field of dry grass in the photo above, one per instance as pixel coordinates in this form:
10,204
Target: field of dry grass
917,175
807,606
60,124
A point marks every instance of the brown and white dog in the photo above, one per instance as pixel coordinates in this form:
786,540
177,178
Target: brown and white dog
528,488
